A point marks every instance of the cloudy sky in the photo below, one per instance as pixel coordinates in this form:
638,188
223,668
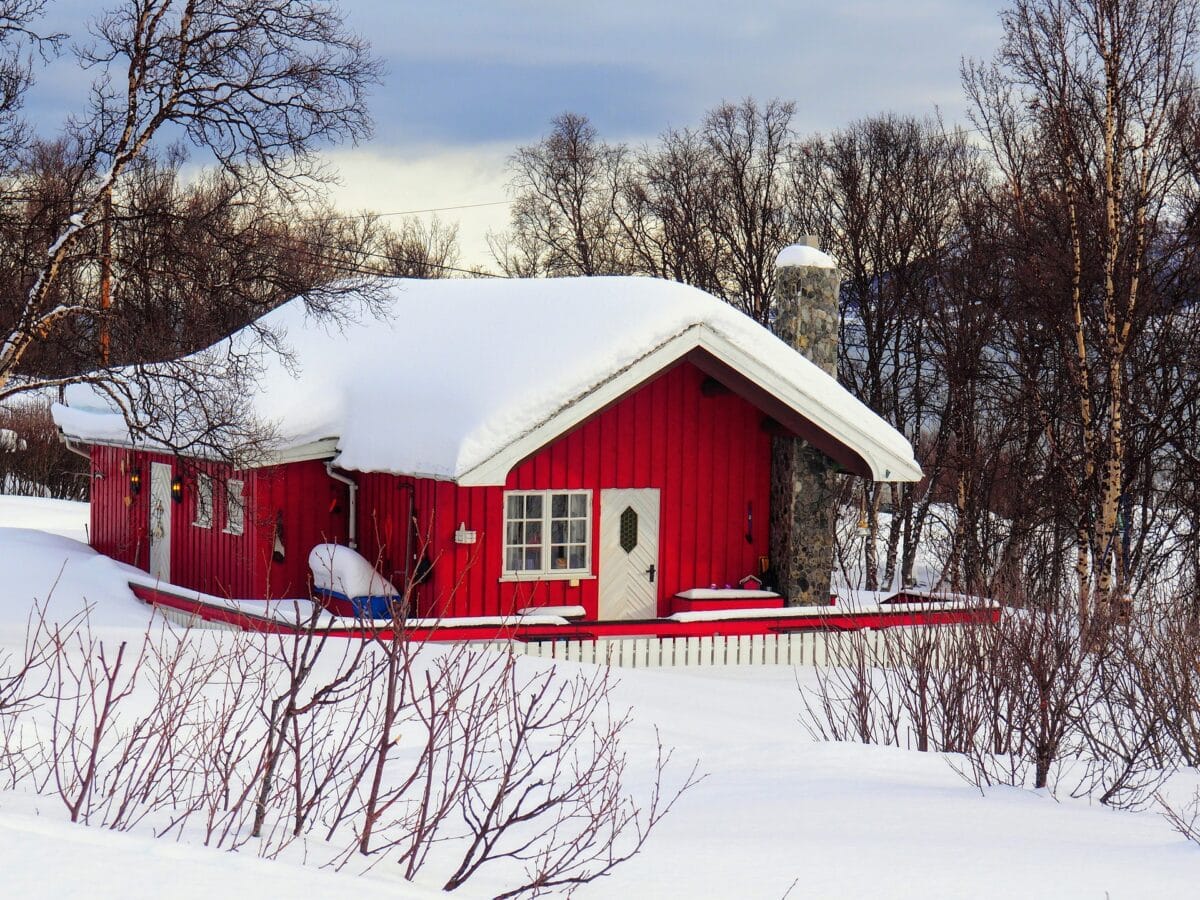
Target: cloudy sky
469,80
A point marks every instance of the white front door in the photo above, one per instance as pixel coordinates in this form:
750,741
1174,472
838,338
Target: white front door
629,553
160,521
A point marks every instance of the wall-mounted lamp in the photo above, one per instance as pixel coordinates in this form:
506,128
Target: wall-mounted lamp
177,488
135,481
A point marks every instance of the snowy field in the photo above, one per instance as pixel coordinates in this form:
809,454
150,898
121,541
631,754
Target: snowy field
777,815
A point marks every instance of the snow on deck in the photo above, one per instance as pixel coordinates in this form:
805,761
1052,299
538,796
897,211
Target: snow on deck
832,612
460,369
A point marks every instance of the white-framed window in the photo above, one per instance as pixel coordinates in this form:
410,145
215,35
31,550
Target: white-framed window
235,507
547,532
203,516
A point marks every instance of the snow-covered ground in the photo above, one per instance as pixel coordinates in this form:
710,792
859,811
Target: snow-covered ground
777,814
63,517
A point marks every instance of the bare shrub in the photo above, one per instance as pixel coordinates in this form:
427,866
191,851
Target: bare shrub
33,460
381,749
1169,661
25,685
468,749
1126,754
1184,819
552,794
1018,701
854,700
91,682
294,707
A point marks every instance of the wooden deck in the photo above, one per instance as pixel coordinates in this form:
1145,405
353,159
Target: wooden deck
295,616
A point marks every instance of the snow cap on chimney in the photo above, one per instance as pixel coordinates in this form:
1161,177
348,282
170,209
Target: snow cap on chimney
805,254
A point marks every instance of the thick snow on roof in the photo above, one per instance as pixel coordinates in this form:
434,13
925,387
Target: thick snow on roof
461,369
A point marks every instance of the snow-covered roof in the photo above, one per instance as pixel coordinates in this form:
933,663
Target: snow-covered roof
463,379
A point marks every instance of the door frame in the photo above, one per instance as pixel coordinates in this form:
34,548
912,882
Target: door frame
612,504
160,508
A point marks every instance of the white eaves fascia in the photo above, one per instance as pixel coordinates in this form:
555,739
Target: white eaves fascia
885,463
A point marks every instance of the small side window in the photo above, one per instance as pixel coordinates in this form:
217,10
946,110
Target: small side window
203,517
235,508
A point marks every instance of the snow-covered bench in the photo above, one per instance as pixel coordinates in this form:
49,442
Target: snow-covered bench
705,599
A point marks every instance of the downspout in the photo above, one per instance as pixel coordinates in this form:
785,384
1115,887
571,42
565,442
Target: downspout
352,528
409,525
77,451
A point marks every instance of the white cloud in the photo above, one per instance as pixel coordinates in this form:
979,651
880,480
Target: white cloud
431,178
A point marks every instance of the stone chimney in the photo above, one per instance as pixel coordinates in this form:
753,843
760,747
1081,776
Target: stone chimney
804,484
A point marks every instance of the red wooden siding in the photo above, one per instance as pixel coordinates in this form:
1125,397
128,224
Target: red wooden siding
119,517
314,510
708,455
210,559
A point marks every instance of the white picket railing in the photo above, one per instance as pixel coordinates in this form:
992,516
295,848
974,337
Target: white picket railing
802,648
191,620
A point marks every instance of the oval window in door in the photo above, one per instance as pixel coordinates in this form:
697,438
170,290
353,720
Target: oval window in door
629,529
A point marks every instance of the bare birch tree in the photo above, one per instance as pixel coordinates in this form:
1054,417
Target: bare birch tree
564,216
1086,113
255,88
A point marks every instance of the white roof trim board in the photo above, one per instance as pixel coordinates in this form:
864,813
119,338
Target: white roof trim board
464,379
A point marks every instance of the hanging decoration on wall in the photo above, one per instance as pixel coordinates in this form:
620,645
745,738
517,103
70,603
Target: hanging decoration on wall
278,552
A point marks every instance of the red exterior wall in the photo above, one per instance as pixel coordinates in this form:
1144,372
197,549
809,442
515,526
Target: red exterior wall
314,509
708,455
209,559
119,517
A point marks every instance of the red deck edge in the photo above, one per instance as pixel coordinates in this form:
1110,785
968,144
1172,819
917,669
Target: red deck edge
661,628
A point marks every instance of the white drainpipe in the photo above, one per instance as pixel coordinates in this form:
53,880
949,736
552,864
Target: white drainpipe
352,529
78,451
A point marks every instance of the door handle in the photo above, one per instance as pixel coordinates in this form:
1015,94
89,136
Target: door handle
650,572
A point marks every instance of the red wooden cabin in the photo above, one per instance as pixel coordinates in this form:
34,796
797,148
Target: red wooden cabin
596,443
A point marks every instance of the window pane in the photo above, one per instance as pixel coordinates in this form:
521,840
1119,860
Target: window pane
513,533
533,507
533,532
512,559
558,506
578,557
558,532
558,557
577,534
203,501
533,558
579,505
515,506
233,507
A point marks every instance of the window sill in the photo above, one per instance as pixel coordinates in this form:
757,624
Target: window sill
547,576
233,533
